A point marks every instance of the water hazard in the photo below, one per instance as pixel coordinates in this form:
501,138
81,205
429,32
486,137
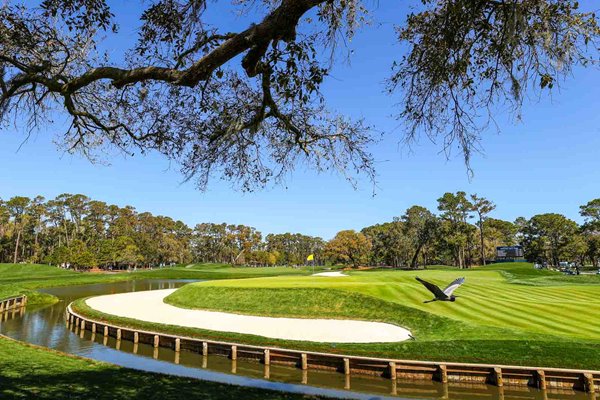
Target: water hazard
46,327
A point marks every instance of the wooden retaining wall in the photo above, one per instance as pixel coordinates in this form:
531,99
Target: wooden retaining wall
13,303
408,370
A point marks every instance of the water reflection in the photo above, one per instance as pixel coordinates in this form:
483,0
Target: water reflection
47,327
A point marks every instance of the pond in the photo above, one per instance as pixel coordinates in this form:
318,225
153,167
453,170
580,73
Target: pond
46,327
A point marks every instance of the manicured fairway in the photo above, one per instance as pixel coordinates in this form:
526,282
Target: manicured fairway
506,313
488,298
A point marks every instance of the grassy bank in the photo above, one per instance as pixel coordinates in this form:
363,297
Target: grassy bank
32,372
18,279
509,314
28,372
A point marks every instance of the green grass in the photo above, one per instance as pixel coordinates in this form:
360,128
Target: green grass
18,279
28,372
32,372
506,313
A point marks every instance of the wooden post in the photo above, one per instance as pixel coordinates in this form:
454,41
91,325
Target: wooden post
442,373
156,341
347,366
392,370
83,325
105,331
540,378
267,359
1,307
304,361
177,345
204,348
119,334
93,327
496,377
587,380
136,337
234,352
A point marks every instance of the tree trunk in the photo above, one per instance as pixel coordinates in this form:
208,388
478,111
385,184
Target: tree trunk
413,263
482,244
17,246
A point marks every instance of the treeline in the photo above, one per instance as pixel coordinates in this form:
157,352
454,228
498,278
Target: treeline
78,232
75,231
464,233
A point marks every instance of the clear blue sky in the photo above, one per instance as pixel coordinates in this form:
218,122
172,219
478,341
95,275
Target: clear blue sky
548,162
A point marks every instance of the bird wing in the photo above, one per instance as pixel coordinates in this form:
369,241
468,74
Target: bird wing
432,288
453,286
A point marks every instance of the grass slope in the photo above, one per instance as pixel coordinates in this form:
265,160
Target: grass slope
28,372
18,279
32,372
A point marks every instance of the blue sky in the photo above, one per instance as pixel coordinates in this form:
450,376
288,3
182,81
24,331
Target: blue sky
548,162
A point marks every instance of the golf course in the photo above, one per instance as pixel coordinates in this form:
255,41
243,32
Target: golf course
505,313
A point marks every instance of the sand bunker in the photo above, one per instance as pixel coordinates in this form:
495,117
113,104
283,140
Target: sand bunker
333,274
149,306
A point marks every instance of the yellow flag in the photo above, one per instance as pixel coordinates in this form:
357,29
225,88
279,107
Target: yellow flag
310,257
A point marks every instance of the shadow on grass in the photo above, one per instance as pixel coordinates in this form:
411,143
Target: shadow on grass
116,383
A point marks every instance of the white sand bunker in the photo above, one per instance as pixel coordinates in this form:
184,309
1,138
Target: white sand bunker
333,274
149,306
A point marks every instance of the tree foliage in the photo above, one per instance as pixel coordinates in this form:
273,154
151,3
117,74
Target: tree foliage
247,105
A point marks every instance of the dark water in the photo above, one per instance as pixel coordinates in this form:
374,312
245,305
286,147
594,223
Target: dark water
46,327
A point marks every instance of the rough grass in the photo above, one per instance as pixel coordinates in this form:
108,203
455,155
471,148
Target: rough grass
30,372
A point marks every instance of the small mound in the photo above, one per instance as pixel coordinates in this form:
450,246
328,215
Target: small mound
332,274
149,306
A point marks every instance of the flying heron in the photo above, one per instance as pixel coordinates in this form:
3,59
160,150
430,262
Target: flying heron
442,295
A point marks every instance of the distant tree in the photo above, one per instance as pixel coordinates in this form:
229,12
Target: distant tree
498,233
593,248
482,207
547,236
456,209
348,247
389,243
591,213
17,207
420,225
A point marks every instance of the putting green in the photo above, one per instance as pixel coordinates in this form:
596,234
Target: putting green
496,302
